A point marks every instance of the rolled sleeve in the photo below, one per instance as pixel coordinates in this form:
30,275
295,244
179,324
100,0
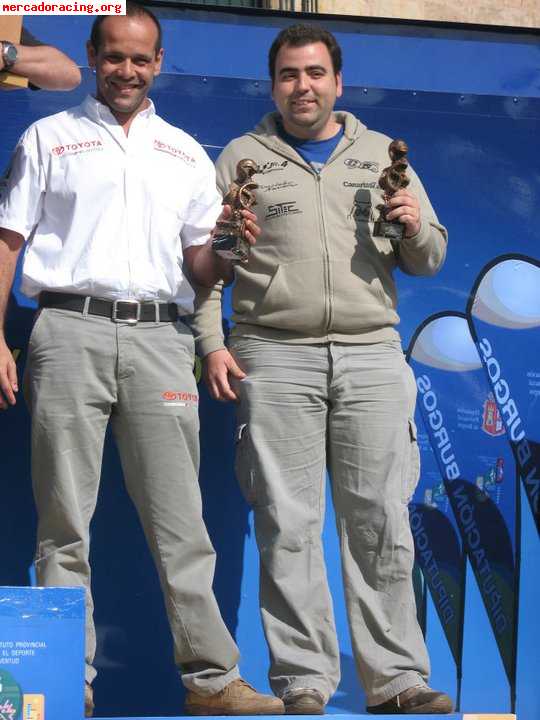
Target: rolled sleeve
203,210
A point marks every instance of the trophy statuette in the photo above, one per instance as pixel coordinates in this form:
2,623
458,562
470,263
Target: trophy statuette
229,241
393,178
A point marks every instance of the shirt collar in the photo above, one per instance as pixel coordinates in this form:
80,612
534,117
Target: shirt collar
102,114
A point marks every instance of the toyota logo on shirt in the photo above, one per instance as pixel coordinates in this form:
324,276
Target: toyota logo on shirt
75,148
174,151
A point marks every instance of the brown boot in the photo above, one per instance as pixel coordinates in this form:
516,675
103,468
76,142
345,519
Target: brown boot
304,701
88,700
418,700
236,698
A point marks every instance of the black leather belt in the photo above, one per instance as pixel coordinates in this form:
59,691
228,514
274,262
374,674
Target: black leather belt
121,311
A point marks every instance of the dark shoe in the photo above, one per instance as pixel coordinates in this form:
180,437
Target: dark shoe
88,700
419,700
236,698
304,701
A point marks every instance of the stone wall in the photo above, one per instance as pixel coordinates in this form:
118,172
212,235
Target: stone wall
511,13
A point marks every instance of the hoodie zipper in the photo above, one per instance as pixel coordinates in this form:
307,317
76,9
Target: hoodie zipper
329,309
283,151
326,256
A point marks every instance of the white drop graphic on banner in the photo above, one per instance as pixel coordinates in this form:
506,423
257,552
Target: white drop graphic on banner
509,295
446,343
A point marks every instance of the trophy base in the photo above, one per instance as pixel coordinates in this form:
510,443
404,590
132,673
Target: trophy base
389,230
231,247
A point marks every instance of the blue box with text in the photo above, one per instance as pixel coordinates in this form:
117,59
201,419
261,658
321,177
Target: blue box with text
41,653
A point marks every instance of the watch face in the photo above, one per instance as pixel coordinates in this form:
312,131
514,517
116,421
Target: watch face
9,54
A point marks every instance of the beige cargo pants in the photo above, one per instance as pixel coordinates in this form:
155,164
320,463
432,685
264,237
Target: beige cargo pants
349,409
83,372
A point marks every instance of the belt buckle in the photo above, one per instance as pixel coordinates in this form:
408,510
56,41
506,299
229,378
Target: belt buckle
129,321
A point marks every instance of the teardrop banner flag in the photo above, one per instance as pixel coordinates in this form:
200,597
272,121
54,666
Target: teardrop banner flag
504,318
420,596
438,548
476,462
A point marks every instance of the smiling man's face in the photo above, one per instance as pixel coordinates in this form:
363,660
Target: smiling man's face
305,90
126,63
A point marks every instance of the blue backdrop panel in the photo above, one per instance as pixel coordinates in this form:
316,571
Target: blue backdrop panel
476,153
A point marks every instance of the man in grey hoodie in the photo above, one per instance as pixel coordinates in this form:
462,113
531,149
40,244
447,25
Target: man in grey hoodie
316,364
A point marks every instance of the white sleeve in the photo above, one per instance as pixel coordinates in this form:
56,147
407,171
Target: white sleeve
22,187
204,208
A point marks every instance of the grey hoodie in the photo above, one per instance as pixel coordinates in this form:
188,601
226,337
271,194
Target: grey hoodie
317,274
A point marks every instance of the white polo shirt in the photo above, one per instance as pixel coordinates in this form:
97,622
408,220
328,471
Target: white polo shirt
105,214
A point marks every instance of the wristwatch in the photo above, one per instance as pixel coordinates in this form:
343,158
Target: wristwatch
9,54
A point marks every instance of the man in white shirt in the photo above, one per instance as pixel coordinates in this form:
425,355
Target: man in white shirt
113,203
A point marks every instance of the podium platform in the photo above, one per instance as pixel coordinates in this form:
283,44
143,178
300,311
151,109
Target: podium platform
453,716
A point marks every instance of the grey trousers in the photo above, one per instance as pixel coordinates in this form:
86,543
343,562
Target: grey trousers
348,408
83,372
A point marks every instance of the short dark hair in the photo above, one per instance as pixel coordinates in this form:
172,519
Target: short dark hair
300,35
133,9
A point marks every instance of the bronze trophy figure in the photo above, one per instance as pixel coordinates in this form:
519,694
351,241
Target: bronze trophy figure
393,178
229,241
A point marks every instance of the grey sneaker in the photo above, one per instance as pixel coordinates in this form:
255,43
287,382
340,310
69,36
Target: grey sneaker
304,701
418,700
236,698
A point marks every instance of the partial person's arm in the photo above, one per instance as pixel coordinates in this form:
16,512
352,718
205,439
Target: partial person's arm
423,249
10,247
44,66
211,273
21,198
204,267
219,366
219,369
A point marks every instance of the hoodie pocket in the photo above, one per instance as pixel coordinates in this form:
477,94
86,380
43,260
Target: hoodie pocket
295,297
359,301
